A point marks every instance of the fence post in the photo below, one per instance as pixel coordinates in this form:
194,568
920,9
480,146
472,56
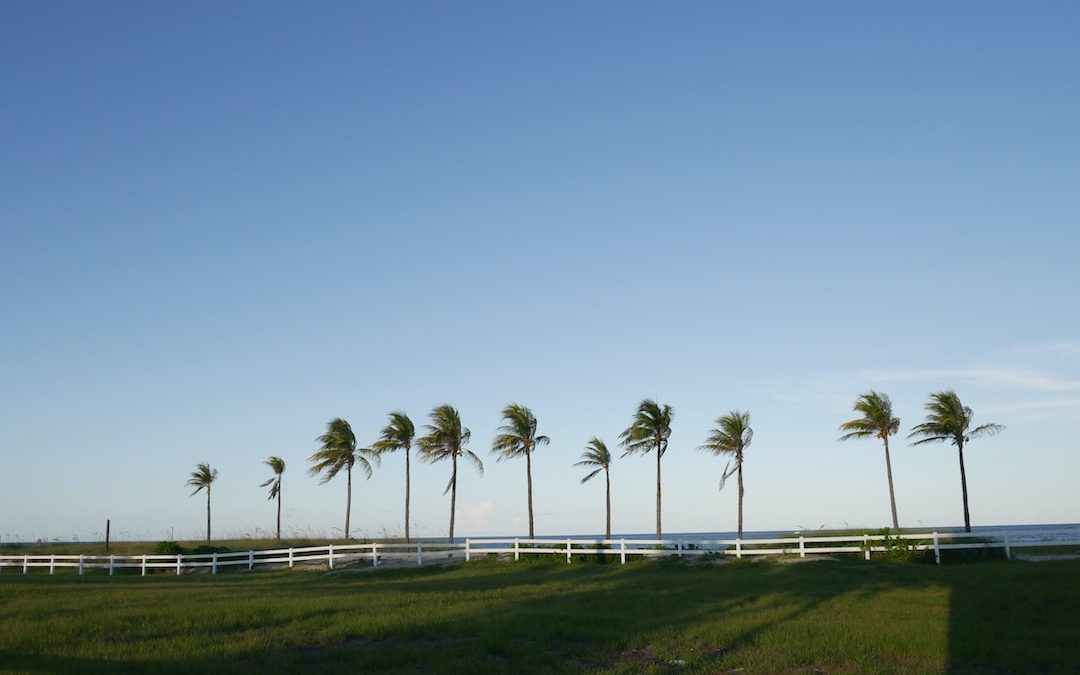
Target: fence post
517,549
374,554
144,564
213,563
179,562
1008,550
80,564
419,555
568,549
290,558
738,548
330,556
802,547
866,546
251,560
678,549
622,551
25,564
467,557
52,563
937,549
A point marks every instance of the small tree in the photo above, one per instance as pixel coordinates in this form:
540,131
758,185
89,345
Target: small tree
650,431
277,465
877,421
517,438
731,436
398,435
597,457
202,478
339,451
948,420
446,439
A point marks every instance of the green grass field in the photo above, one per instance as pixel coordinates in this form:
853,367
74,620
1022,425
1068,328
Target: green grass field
547,616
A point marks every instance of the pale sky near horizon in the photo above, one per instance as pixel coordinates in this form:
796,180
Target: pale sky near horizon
222,225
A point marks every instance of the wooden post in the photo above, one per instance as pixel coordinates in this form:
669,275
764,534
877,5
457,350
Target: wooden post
738,548
678,549
25,564
290,558
179,562
52,563
568,550
144,564
108,523
330,556
517,549
622,551
1008,550
251,560
802,547
937,549
80,564
112,564
374,554
419,555
467,556
213,563
866,546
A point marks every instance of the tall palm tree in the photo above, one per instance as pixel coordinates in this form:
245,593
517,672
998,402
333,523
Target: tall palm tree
398,434
202,478
649,431
877,421
277,465
948,420
731,436
339,451
516,438
597,457
446,438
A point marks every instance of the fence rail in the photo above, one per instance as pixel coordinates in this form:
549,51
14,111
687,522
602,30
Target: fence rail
333,555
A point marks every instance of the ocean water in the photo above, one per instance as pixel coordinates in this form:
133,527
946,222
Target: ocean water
1017,533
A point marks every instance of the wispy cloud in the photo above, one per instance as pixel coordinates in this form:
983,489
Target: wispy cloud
1025,379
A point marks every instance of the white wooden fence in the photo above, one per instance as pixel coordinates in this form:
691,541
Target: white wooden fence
336,555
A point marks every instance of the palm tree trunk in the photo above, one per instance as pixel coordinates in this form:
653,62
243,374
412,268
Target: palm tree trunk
528,473
348,503
741,492
607,479
453,495
207,513
659,534
963,488
279,510
892,495
406,494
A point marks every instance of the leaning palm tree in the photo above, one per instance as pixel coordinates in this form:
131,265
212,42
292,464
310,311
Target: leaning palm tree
446,438
649,431
398,435
339,452
947,420
877,421
516,438
596,457
202,478
277,465
731,436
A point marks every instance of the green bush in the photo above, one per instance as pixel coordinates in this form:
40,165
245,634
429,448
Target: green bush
168,548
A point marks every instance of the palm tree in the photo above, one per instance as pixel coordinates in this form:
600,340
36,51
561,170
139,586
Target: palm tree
203,477
731,436
516,438
649,431
398,435
446,438
277,465
877,421
947,419
597,457
339,452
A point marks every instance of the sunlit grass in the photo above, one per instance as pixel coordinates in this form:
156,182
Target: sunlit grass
545,615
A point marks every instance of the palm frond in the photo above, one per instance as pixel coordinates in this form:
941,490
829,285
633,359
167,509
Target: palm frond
877,418
201,478
472,456
649,430
591,475
517,435
398,434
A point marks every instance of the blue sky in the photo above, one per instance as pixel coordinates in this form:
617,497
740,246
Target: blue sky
223,225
